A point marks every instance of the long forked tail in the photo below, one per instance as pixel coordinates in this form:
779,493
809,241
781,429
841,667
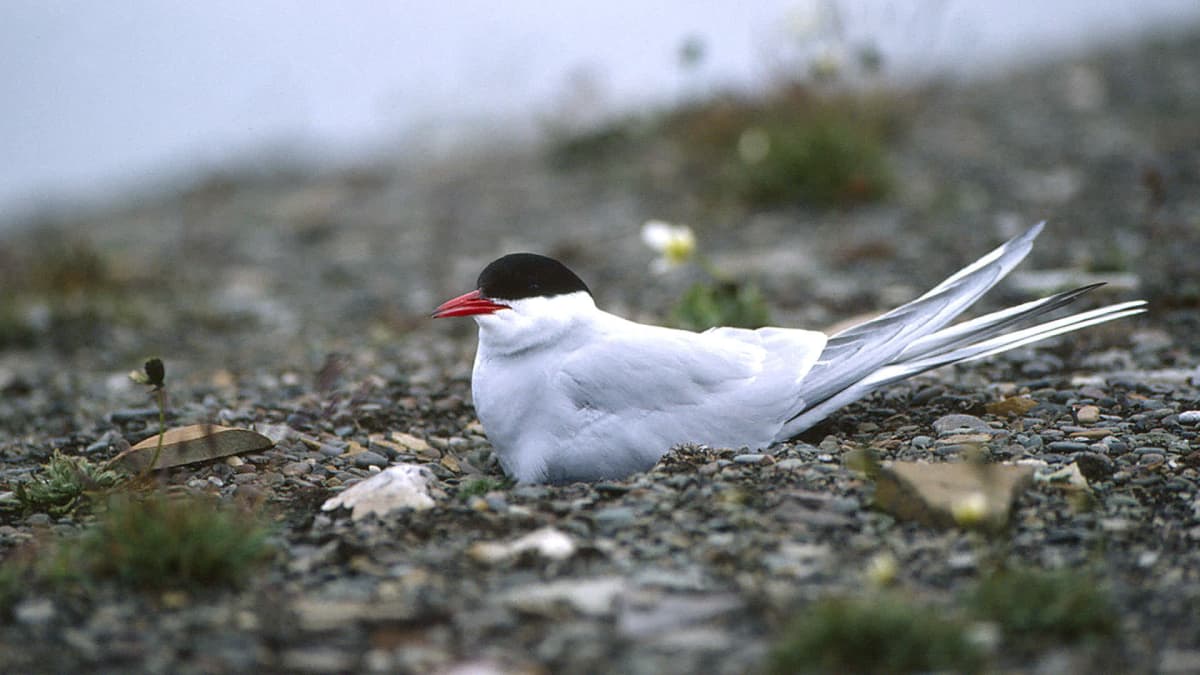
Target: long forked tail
912,339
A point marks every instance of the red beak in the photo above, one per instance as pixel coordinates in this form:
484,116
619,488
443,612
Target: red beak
467,304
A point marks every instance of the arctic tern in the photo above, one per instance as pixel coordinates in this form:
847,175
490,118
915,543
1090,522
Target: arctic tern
567,392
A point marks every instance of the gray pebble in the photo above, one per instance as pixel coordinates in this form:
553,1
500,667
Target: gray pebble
330,450
616,516
749,458
790,464
296,468
34,612
1068,446
131,414
922,442
370,458
1189,417
957,424
530,492
1094,466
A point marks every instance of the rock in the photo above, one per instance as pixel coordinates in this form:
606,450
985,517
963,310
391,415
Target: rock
1189,417
297,468
1011,406
35,612
1088,414
961,424
1094,466
657,615
546,542
595,597
132,415
192,444
614,517
1068,446
944,494
398,487
1069,477
413,444
369,458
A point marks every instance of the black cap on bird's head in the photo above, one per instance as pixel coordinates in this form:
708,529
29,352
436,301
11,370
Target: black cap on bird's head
527,275
515,276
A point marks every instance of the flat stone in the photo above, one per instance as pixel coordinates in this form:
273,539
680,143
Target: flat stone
547,542
1189,417
1011,406
595,597
1088,414
942,495
1068,446
961,424
369,458
1094,466
192,444
404,486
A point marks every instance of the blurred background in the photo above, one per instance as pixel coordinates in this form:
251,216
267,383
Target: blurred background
181,176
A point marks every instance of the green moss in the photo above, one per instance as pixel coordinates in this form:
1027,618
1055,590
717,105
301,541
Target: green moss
477,487
721,303
1036,608
882,634
62,483
160,542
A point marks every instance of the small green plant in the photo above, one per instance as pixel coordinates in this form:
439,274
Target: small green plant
722,303
880,634
718,301
477,487
62,482
152,375
1035,608
158,542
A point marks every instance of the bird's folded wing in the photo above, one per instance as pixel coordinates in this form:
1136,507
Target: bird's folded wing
723,372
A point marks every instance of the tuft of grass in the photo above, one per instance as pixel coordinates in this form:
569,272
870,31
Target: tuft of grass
159,542
477,487
722,303
61,484
826,160
1034,608
881,634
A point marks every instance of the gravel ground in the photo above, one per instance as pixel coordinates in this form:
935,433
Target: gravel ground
295,304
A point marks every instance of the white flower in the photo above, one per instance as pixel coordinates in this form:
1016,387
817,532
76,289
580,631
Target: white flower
674,244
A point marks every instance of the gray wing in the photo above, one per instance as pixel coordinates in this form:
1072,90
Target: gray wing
856,352
727,387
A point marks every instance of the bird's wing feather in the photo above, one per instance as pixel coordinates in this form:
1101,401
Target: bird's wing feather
858,351
731,379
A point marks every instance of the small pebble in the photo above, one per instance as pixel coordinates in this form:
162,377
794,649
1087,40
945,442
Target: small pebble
330,450
750,458
1189,417
1068,446
1088,414
370,458
960,424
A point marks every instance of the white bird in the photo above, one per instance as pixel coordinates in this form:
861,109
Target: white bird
567,392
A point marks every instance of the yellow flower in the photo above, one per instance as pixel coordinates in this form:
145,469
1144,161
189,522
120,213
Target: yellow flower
675,244
971,510
881,571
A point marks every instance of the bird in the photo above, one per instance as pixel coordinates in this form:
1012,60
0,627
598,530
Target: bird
567,392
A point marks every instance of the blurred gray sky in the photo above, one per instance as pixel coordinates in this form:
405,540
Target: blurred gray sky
102,97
